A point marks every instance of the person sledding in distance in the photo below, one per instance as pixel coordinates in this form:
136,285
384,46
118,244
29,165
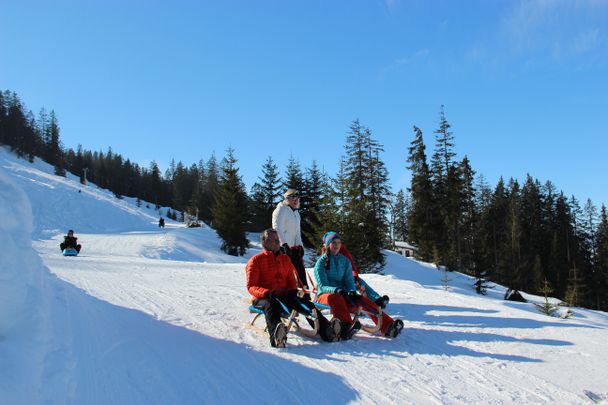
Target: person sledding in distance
70,243
336,288
271,282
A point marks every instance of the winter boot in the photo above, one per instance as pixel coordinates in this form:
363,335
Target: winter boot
279,337
349,330
332,330
394,329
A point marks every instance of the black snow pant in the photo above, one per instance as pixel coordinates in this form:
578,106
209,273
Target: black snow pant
273,310
64,245
296,255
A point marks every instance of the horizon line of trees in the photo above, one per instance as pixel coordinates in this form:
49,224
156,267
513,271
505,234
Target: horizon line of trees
518,236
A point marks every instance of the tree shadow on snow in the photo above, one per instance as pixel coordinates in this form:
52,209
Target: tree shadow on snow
421,313
416,340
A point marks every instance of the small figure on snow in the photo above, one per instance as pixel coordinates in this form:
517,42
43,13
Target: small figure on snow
286,221
161,222
336,287
271,281
70,241
514,295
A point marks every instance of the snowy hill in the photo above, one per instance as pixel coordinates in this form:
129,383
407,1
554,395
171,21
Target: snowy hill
150,316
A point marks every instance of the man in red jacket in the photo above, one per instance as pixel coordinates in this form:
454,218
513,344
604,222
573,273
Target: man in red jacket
271,281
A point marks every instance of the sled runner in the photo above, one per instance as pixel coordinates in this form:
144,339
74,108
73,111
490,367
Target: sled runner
70,252
289,319
358,314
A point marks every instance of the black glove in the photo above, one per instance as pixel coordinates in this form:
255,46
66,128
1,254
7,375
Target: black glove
382,301
353,294
285,249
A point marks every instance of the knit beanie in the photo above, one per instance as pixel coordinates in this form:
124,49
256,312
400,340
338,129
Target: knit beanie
329,237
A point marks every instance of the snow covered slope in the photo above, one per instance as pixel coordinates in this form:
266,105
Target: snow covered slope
147,316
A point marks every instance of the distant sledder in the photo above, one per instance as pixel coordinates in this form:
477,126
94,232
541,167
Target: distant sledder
70,246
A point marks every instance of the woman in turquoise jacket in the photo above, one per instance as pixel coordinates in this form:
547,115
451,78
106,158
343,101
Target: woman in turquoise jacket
336,288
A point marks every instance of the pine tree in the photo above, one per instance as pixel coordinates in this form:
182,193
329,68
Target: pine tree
497,233
331,211
446,187
265,195
421,215
310,206
547,307
54,150
3,115
210,189
156,184
484,262
14,121
366,198
197,201
257,207
581,257
531,240
575,290
600,265
588,226
514,272
230,211
401,212
469,242
561,247
293,175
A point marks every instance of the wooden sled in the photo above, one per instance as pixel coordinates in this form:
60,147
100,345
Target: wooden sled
290,320
358,315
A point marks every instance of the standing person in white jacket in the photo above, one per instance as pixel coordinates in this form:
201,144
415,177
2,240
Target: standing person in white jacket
286,220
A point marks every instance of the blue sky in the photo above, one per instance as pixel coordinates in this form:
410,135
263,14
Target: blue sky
524,83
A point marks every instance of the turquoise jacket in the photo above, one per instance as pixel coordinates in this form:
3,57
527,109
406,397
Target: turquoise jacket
339,274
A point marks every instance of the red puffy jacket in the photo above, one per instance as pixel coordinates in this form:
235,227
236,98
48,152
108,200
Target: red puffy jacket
267,271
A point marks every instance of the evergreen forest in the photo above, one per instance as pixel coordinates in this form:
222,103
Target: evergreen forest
528,237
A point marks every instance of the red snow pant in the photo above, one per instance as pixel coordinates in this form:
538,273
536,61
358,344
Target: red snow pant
342,307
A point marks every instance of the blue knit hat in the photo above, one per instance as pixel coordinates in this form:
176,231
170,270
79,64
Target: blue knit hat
329,237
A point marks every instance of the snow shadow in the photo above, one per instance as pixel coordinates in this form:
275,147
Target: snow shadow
442,343
420,313
414,341
121,355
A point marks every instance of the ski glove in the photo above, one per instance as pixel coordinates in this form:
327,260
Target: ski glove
286,249
292,294
353,294
382,302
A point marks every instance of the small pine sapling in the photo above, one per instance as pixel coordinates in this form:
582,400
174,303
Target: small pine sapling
547,308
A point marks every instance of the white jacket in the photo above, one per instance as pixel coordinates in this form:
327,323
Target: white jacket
287,223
